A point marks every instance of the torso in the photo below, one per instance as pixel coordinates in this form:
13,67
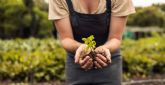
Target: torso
90,5
84,25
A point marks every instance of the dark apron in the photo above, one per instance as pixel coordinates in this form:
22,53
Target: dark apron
84,25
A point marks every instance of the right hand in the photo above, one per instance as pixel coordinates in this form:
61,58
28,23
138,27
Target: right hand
103,57
82,58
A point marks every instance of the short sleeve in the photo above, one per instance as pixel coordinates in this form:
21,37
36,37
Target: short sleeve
122,7
57,9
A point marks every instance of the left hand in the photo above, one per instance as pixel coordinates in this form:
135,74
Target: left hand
86,63
82,58
103,57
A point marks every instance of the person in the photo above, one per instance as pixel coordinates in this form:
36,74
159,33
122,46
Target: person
106,20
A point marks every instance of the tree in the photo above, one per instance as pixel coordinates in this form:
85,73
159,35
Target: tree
22,18
30,5
161,6
14,18
149,16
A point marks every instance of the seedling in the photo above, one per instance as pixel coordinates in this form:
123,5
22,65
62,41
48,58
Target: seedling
91,44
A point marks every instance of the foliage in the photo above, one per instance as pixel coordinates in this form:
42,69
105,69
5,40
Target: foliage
19,20
143,57
161,6
148,16
44,59
89,41
23,59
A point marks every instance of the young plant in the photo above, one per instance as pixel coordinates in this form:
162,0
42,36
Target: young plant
91,44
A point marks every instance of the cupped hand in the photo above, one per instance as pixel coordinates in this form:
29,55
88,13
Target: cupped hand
81,52
86,63
103,57
82,58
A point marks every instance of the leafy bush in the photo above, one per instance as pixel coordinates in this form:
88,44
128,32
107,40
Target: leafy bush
44,59
143,57
23,59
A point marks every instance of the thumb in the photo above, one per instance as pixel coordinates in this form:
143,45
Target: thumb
108,55
77,56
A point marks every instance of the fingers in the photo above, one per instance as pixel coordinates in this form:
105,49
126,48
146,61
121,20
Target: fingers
101,61
108,55
77,56
91,66
97,65
87,65
103,64
83,61
104,52
102,57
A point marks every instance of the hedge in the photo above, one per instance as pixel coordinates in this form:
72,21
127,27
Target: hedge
22,59
44,59
143,57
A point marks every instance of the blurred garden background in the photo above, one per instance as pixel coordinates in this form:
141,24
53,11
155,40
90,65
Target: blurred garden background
30,52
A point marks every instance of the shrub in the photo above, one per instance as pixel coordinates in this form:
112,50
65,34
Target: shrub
143,57
40,59
44,59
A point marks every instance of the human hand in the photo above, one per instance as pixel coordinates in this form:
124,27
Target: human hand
82,58
103,57
86,63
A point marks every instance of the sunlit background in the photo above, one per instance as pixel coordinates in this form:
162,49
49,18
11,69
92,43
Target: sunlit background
30,52
144,3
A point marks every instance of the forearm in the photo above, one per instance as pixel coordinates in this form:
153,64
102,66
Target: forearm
70,44
64,29
115,33
113,44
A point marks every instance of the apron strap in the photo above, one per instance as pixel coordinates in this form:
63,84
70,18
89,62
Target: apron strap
108,12
70,7
73,15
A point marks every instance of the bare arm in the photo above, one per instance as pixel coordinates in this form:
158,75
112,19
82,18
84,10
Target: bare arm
64,29
116,32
